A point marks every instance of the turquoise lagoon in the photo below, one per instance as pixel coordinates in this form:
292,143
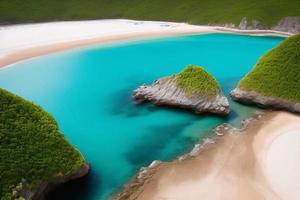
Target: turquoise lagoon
88,90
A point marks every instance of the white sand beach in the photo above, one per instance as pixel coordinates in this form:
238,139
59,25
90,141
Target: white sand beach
18,42
277,146
261,162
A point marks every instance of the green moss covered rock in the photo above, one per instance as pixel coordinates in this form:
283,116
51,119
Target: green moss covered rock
32,149
193,88
275,79
196,80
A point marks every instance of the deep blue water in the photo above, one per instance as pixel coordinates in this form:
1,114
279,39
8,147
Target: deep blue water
88,91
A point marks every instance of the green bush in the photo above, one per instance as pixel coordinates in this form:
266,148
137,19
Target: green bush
196,80
277,73
32,149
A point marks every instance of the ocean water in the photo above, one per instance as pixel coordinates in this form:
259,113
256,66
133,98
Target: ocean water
88,90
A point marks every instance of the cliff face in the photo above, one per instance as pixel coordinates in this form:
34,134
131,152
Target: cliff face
263,101
44,188
166,92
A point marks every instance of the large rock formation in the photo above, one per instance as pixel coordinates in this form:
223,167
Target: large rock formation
166,91
35,156
274,81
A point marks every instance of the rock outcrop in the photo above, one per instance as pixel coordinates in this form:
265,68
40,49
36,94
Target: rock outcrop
274,80
243,24
166,92
288,24
254,25
253,97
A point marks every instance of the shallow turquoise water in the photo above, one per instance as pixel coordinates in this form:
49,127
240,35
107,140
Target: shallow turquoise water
88,91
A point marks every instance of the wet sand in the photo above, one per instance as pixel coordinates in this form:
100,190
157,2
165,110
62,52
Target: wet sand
260,161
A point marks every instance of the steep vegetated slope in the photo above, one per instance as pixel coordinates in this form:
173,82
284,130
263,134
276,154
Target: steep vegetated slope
275,79
33,151
268,12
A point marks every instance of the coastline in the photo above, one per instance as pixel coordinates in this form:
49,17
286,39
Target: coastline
254,98
22,42
245,163
19,53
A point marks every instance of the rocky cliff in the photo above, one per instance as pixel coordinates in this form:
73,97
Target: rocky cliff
253,97
39,193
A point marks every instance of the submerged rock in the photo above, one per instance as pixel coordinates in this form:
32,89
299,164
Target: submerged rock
167,91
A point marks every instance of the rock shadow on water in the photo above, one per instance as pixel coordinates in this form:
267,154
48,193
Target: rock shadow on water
77,189
123,105
122,102
228,84
150,107
232,116
153,143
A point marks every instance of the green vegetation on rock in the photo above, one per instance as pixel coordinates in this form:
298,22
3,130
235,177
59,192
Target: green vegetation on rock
196,80
277,73
268,12
32,149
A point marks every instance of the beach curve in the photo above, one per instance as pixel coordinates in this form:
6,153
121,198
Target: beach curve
20,42
257,162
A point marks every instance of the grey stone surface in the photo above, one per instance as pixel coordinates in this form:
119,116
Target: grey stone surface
243,24
251,97
288,24
166,92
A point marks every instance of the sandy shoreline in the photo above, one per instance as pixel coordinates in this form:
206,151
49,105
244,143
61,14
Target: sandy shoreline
19,42
258,162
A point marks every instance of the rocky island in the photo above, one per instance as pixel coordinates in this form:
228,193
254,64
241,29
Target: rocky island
274,82
193,88
35,156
